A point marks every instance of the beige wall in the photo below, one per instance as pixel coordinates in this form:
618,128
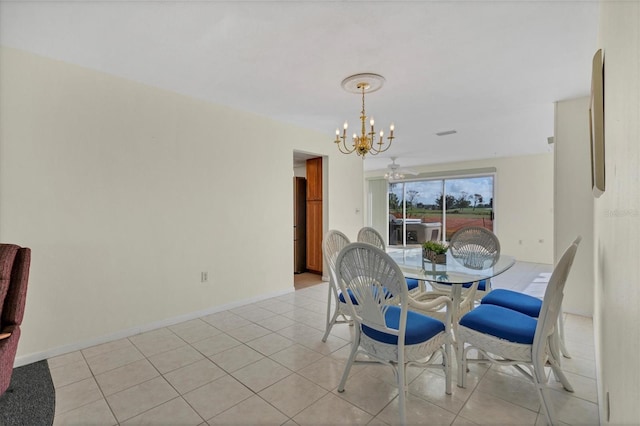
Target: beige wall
573,204
617,218
523,202
126,193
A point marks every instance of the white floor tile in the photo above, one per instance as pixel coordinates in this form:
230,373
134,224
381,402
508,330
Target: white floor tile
217,396
174,412
193,376
261,374
332,410
265,363
132,374
140,398
251,411
292,394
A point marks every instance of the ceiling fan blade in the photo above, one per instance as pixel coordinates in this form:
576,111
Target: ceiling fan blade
409,172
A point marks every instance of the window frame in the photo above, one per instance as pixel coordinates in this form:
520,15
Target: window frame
443,177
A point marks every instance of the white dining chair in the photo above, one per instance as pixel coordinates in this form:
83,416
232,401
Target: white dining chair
475,248
372,236
506,337
369,235
337,311
387,331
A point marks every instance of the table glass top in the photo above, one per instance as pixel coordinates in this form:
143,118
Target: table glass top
453,272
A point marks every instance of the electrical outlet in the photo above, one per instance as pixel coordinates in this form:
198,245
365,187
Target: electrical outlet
204,277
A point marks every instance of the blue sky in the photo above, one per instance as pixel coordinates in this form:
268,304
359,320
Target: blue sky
428,190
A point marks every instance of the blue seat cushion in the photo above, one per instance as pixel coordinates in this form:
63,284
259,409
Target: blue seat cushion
412,283
514,300
482,285
501,322
420,328
343,300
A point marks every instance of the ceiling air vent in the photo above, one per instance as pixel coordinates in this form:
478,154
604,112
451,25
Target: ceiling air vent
447,132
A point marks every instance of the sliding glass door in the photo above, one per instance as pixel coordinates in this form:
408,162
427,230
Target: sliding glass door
436,208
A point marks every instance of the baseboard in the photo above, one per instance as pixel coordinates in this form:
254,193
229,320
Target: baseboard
76,346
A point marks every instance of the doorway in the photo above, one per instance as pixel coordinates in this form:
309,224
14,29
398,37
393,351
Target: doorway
308,219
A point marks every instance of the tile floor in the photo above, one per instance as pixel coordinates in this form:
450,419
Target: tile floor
265,363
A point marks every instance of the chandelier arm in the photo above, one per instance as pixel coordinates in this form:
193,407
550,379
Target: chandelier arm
344,152
343,144
378,150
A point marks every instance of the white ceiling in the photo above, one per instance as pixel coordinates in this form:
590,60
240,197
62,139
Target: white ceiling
489,69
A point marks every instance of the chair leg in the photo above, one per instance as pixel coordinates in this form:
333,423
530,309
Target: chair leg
406,383
402,391
462,364
330,320
559,374
330,323
447,367
540,382
333,319
563,346
554,362
355,344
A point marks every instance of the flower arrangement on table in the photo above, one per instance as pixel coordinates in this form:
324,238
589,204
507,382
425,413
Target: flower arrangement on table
435,251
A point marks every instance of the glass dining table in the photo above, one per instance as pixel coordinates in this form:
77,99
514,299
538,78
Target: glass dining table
453,272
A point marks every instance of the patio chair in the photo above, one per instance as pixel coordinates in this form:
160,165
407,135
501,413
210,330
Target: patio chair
388,332
506,337
332,243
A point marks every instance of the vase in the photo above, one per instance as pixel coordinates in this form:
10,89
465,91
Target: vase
433,257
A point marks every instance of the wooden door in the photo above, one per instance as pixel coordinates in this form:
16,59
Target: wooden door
314,215
314,236
314,179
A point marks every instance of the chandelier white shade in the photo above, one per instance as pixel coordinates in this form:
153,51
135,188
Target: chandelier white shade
397,173
393,176
364,143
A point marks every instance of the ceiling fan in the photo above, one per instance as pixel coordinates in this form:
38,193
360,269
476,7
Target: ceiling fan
396,172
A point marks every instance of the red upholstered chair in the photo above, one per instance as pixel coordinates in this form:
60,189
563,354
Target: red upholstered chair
14,275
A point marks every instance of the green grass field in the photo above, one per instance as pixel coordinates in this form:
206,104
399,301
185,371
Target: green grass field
467,212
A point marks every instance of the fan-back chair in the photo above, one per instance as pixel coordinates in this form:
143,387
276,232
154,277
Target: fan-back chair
371,236
508,337
476,248
332,243
387,331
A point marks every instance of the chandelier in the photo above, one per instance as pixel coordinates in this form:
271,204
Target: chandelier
365,142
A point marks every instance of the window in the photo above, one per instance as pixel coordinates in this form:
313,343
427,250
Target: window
418,208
